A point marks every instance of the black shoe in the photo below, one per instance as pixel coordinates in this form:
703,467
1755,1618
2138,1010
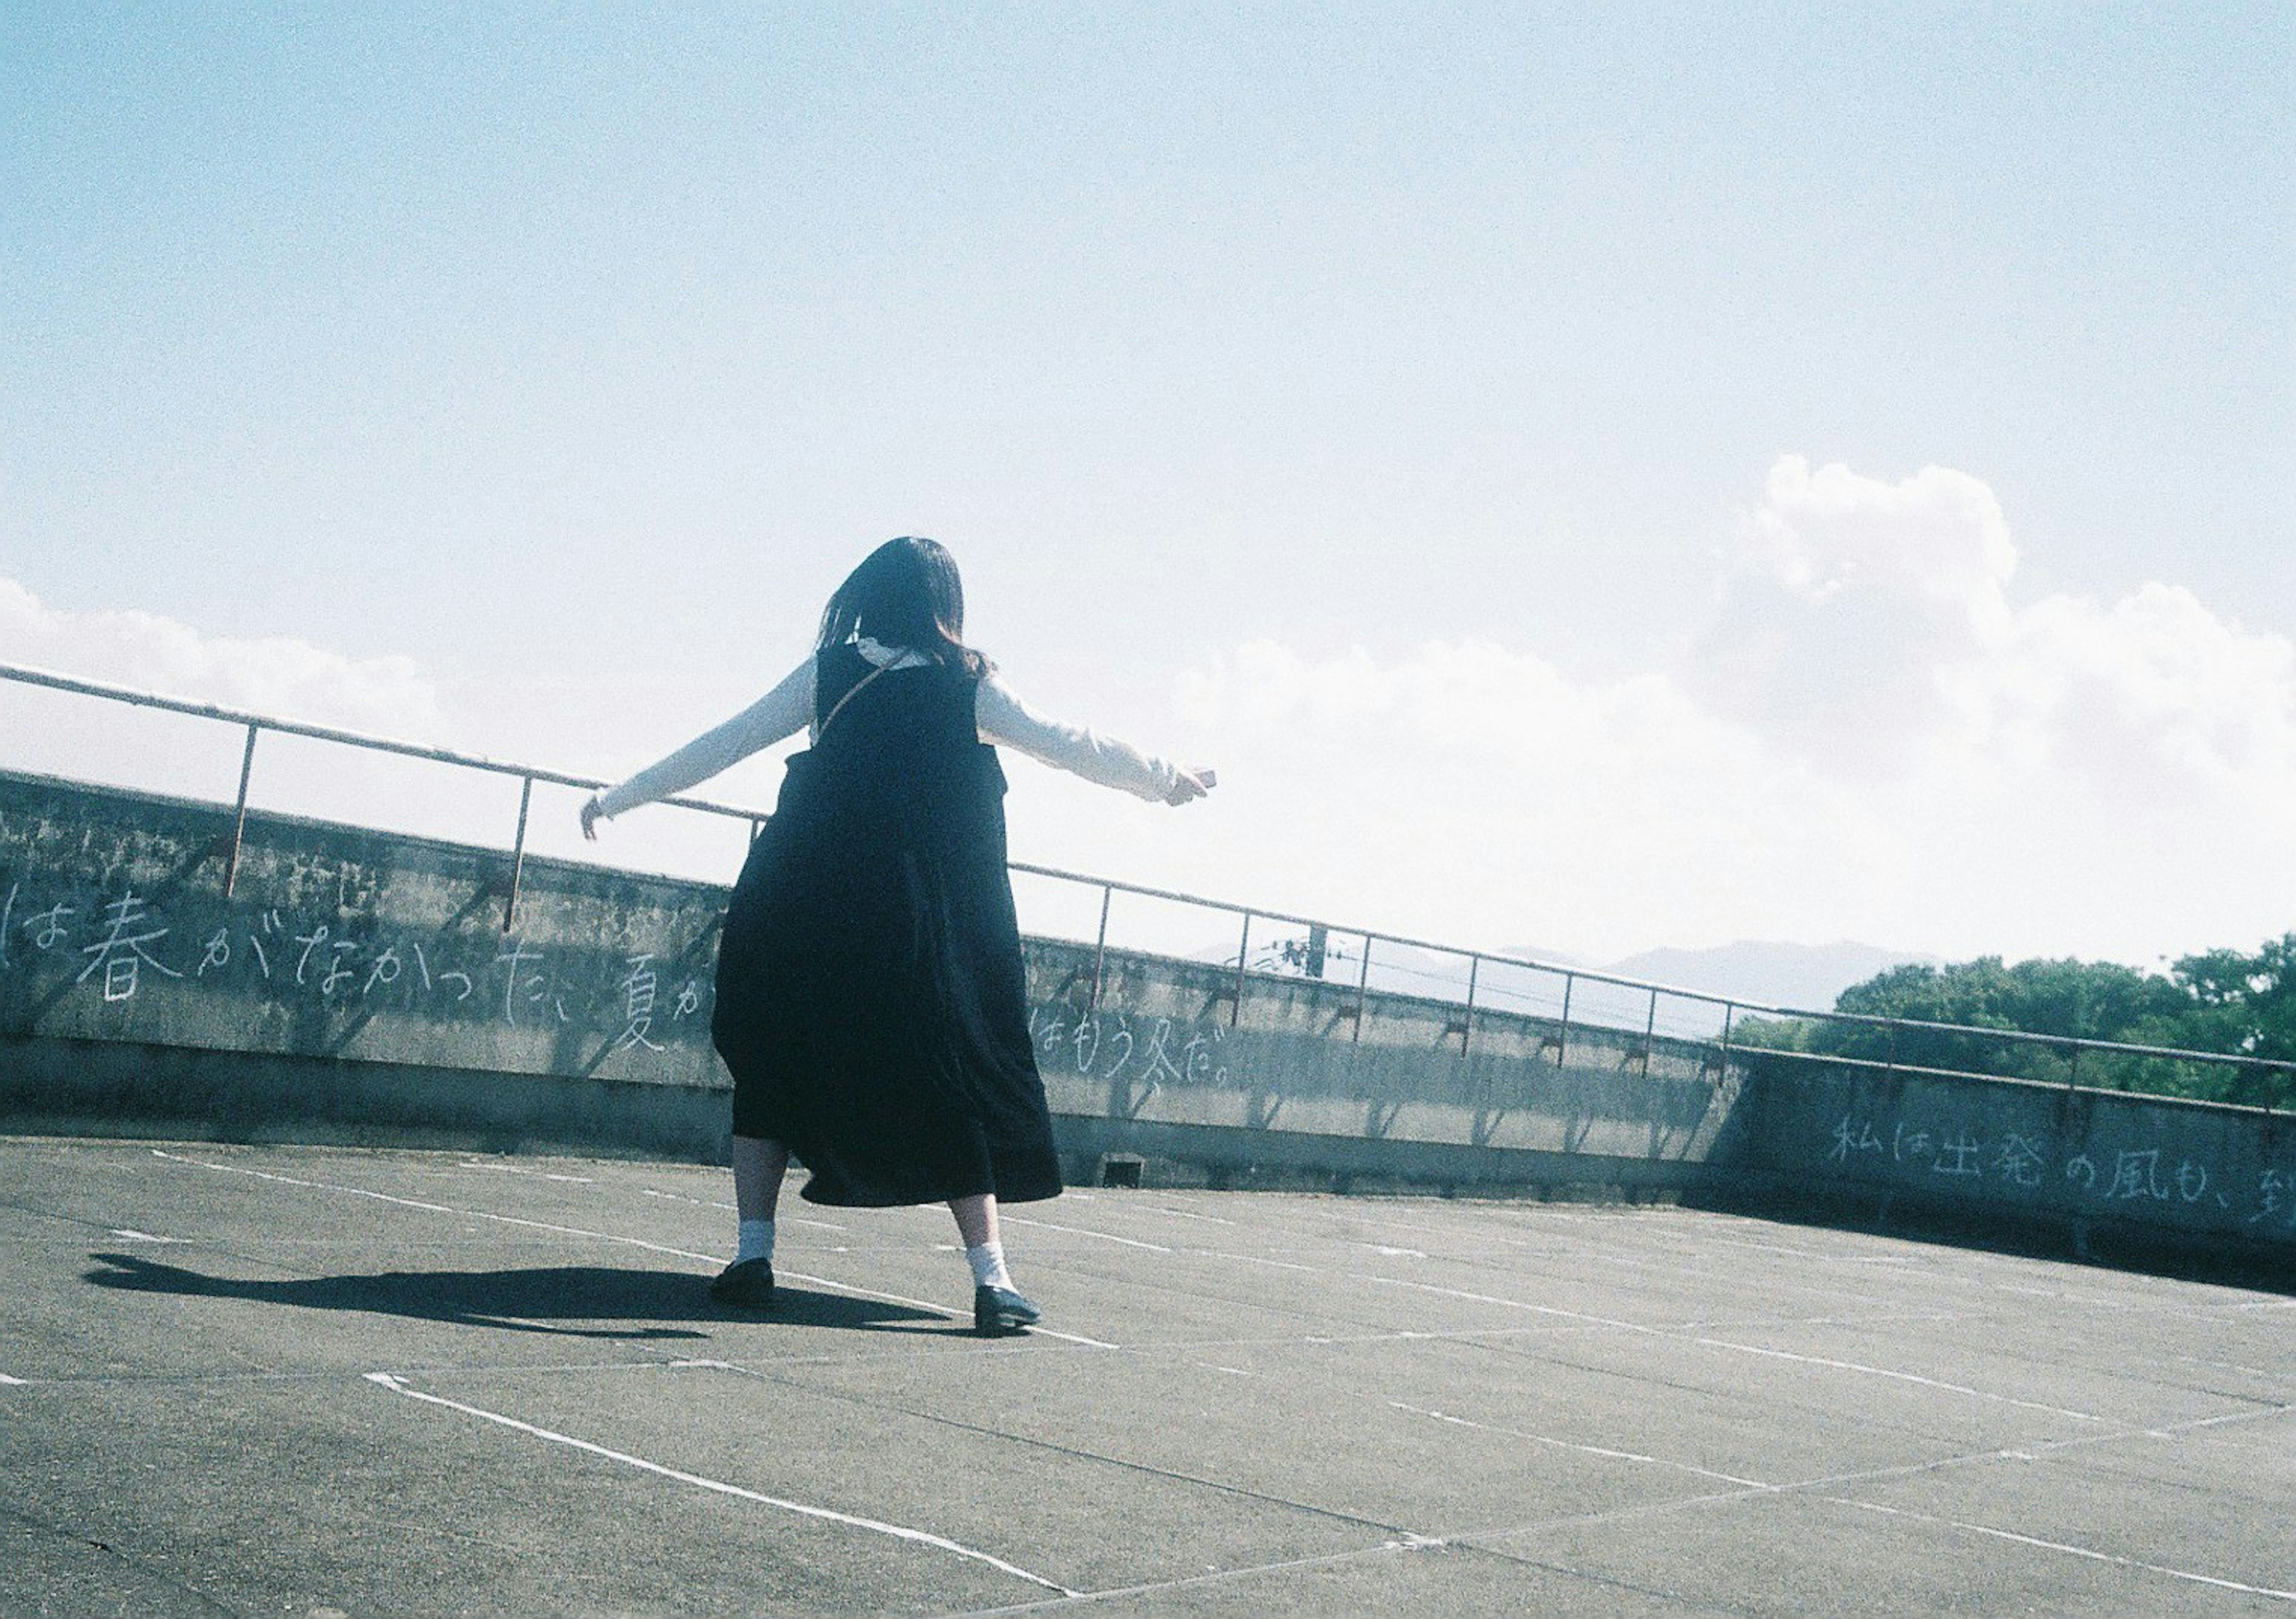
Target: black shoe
746,1284
999,1312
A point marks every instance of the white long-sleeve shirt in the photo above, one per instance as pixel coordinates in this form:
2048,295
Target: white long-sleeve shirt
999,715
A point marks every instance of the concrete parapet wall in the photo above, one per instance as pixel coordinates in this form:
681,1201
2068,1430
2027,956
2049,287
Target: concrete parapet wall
2011,1152
358,984
1164,1044
372,974
339,942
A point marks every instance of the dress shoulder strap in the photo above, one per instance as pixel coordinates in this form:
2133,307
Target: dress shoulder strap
829,719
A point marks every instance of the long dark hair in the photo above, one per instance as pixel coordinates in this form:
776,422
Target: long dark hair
905,593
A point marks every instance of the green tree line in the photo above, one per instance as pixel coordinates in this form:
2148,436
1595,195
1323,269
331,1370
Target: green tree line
2237,1002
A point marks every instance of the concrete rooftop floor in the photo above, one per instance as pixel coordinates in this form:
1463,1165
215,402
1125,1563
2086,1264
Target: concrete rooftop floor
289,1380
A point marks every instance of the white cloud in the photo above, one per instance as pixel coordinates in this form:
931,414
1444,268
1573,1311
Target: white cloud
1873,739
1869,627
1471,789
1851,607
2152,691
91,740
277,676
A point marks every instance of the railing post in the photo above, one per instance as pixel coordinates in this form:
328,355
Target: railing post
239,815
1362,992
1100,946
1562,1029
2072,1074
1467,1017
1649,1033
518,856
757,830
1243,953
1729,1011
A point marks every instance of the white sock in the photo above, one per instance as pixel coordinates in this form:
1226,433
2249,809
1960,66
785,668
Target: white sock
755,1240
987,1262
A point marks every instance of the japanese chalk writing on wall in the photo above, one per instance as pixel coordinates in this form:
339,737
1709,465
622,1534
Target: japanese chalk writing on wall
2019,1166
113,947
1122,1046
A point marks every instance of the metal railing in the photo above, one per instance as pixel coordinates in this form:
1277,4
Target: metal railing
257,724
1319,931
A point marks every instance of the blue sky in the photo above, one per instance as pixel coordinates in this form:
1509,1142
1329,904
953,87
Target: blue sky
550,369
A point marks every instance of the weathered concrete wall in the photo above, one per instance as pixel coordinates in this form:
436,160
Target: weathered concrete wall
373,972
368,990
342,943
2009,1151
1165,1047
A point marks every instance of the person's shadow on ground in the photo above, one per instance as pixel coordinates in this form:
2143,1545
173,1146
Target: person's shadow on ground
518,1301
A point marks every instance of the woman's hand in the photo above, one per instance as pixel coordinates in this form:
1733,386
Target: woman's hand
590,817
1189,785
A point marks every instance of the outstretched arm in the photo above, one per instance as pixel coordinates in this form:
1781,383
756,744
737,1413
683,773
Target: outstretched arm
780,712
1001,716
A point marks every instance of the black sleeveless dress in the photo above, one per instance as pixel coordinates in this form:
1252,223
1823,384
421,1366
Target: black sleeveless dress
870,1004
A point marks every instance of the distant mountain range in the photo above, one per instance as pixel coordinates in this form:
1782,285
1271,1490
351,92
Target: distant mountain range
1806,977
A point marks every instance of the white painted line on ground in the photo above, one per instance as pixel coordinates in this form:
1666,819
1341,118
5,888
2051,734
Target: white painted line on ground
7,1381
2247,1371
2079,1551
1584,1449
1516,1303
899,1532
1864,1476
519,1169
1255,1259
1405,1544
1078,1231
1902,1377
126,1235
1077,1339
1880,1318
1130,1201
1782,1354
1621,1515
2227,1420
440,1208
649,1191
2038,1450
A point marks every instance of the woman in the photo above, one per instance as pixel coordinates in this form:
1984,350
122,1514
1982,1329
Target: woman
871,1005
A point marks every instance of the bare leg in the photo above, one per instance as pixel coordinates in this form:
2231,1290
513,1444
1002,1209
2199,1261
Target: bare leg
976,1218
759,1166
996,1309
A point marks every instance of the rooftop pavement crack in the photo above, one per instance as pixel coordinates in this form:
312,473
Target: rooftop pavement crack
1812,1486
159,1575
1815,1408
1414,1546
818,1391
1695,1605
